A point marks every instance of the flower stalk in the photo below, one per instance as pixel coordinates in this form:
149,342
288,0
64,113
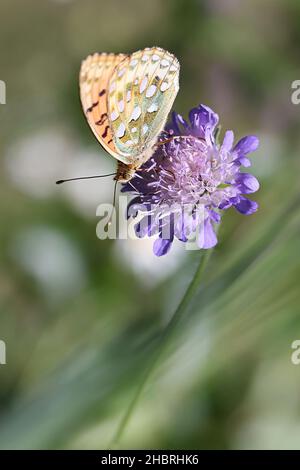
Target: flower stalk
163,342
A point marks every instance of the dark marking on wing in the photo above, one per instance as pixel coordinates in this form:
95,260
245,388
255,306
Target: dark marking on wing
105,132
90,109
102,92
102,119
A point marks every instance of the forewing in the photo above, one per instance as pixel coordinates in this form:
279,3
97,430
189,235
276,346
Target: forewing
94,78
142,91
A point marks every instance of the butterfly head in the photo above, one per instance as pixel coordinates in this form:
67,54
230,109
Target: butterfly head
125,172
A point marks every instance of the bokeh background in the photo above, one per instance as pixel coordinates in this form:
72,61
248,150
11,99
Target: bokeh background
80,316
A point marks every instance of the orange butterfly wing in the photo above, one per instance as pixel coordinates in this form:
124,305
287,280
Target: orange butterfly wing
95,73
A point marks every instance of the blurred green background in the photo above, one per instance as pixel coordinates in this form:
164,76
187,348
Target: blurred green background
80,316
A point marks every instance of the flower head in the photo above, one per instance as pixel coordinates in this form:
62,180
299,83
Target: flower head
190,179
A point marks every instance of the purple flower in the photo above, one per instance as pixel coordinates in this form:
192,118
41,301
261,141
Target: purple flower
190,179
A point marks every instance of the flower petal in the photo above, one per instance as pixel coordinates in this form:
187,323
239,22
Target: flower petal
207,237
228,141
225,205
215,216
202,119
246,145
178,125
244,161
161,246
146,226
134,206
245,206
246,183
181,227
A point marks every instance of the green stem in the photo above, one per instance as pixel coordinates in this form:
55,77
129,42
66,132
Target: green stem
163,341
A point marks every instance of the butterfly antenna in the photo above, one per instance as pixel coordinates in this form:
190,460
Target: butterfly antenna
84,178
114,202
115,192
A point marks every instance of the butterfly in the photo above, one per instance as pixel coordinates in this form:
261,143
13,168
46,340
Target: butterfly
126,100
